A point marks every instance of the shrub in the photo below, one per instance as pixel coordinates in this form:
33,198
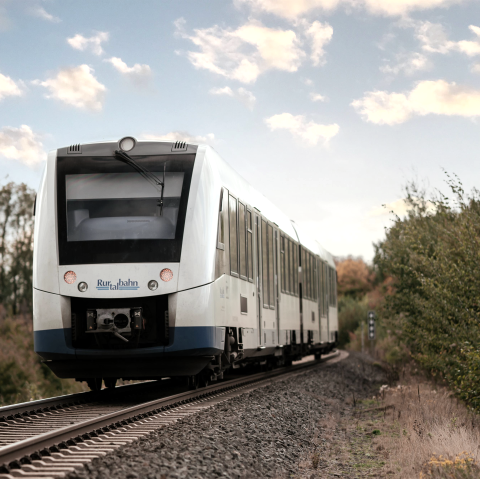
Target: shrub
433,255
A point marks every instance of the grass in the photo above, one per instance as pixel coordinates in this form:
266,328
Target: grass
437,435
23,377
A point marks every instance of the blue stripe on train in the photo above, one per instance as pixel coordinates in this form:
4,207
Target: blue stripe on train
194,340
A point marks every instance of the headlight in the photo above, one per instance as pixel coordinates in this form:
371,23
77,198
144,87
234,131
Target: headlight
82,287
152,285
70,277
127,143
166,274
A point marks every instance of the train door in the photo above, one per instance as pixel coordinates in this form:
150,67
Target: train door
277,285
258,240
320,297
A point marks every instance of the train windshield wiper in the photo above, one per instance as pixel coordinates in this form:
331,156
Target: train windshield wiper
148,175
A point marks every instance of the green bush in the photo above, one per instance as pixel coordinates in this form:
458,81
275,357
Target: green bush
351,312
22,375
433,254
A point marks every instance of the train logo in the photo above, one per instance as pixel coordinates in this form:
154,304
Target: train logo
119,286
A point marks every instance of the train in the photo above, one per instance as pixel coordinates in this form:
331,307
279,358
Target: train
156,259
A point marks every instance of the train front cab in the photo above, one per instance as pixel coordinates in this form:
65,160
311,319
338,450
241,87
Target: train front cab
105,252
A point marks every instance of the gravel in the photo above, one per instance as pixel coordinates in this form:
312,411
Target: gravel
264,433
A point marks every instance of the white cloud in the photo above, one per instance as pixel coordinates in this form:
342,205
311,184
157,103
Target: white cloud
408,64
298,126
434,39
209,139
93,43
243,54
21,144
476,68
139,73
39,11
398,207
320,35
241,94
76,86
292,9
8,87
317,97
222,91
428,97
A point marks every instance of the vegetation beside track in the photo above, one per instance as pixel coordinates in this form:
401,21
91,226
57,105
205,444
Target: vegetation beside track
22,375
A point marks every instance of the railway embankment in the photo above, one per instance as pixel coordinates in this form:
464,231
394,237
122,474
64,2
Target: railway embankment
274,431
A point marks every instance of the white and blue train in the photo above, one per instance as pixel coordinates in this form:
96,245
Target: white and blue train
156,259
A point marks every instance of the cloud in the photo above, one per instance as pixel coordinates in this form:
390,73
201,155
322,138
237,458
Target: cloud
244,96
317,97
93,43
399,207
243,54
77,87
8,87
298,8
428,97
298,126
21,144
434,39
139,73
208,139
40,12
320,35
408,64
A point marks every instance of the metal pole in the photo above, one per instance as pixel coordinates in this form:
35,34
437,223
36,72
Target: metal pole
363,340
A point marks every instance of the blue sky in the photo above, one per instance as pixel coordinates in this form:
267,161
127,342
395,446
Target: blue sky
328,107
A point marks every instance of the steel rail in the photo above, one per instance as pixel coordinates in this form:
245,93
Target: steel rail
16,451
73,399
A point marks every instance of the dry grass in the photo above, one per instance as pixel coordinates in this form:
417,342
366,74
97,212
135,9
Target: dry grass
434,435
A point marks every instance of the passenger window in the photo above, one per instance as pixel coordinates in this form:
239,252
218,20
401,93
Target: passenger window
282,261
221,221
242,240
295,269
271,278
265,264
250,245
232,203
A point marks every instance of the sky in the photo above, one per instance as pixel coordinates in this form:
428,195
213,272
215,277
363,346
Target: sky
328,107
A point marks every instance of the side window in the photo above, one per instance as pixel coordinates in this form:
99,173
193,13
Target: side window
320,287
222,220
295,269
335,286
287,265
314,270
242,240
250,246
282,261
232,207
265,264
291,287
271,278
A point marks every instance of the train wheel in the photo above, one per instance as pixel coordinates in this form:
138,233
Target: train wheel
192,382
110,383
95,384
204,381
318,356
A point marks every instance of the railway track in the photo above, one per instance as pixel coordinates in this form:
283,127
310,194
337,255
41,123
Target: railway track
52,437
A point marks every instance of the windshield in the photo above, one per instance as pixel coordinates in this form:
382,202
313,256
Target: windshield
113,206
108,213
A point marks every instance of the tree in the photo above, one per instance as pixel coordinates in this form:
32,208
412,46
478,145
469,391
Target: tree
16,246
